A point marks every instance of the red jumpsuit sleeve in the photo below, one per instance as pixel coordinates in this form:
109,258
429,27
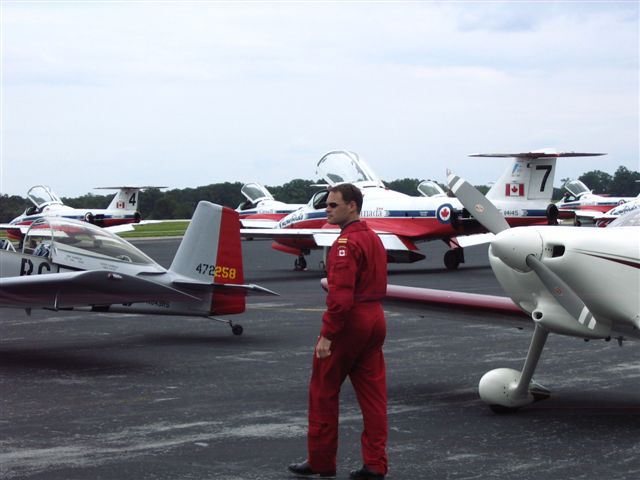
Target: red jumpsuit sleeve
343,268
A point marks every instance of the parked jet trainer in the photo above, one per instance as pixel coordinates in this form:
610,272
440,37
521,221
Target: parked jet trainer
523,195
261,209
68,264
123,209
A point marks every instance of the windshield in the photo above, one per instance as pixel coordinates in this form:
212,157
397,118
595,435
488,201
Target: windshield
41,194
342,167
427,188
81,238
576,187
254,192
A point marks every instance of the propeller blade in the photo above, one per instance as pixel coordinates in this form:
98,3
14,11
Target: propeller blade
477,204
562,293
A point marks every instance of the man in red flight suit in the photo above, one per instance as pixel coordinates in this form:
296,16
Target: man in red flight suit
350,343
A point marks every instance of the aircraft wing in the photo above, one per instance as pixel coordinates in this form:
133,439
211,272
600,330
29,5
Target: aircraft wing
447,297
276,233
258,223
7,226
71,289
473,240
322,237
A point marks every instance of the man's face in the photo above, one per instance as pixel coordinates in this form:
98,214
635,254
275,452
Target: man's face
339,212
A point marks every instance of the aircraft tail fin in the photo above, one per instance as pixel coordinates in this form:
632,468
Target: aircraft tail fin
127,197
211,253
530,175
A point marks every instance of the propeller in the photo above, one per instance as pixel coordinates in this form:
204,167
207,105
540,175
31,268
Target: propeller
477,204
509,246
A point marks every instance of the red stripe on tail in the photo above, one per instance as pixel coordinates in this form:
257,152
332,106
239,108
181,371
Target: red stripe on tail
228,265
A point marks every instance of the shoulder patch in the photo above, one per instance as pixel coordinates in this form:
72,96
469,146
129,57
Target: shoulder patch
342,240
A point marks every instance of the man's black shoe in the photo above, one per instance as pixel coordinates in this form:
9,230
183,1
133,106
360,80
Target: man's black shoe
304,470
365,474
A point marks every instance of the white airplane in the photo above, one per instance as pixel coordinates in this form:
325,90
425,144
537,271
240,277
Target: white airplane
523,194
603,219
123,209
569,280
261,210
579,199
68,264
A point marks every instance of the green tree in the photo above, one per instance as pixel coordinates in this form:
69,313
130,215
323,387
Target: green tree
11,207
408,186
625,183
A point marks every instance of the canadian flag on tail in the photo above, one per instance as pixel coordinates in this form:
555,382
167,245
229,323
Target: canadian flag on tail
514,190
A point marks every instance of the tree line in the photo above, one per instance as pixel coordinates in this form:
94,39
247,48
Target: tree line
180,203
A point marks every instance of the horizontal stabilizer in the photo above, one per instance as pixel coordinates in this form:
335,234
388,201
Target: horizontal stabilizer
129,187
72,289
226,288
544,153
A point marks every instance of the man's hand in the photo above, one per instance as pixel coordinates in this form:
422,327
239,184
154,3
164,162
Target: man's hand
323,347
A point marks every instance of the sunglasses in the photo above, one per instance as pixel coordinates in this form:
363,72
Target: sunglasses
332,205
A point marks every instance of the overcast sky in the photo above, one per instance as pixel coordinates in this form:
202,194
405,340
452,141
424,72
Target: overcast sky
191,93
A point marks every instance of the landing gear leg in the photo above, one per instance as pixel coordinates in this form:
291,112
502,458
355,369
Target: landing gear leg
235,328
323,263
300,263
453,258
506,390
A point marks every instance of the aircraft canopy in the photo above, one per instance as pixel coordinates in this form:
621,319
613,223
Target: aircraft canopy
61,238
427,188
41,194
254,192
576,188
345,167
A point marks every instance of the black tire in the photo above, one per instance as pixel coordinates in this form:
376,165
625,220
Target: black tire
237,329
451,259
300,264
552,214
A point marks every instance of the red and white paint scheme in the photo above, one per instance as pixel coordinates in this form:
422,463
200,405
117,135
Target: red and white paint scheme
578,198
65,263
261,210
123,209
523,195
580,282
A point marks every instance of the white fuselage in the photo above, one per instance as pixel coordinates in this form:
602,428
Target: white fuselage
602,266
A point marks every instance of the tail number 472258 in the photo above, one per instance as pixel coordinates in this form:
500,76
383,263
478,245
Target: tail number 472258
217,271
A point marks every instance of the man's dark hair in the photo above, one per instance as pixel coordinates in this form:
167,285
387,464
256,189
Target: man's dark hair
350,193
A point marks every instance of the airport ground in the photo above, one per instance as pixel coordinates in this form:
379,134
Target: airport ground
104,396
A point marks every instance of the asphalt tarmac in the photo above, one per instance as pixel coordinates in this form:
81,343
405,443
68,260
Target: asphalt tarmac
106,396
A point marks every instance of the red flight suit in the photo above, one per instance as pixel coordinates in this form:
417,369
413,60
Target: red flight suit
354,322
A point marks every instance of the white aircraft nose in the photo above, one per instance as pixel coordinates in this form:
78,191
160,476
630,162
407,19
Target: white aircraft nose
514,245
